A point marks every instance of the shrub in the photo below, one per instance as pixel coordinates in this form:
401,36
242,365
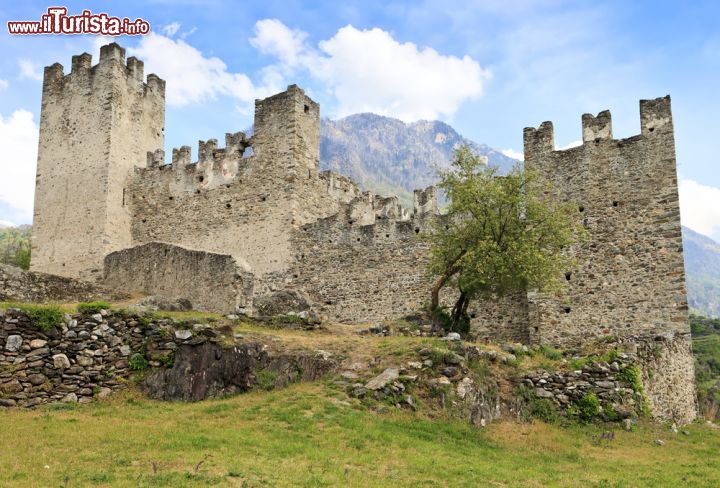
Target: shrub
138,362
92,307
45,316
587,408
266,379
631,375
542,409
551,353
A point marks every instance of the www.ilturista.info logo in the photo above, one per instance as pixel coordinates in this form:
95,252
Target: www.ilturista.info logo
57,21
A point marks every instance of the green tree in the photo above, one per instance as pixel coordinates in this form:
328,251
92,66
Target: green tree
15,246
501,235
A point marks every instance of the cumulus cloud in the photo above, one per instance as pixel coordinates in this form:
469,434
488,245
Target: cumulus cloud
700,207
511,153
30,70
19,139
369,71
3,84
276,39
191,77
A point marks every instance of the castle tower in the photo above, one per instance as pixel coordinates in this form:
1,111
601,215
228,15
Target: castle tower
287,132
630,276
96,124
629,281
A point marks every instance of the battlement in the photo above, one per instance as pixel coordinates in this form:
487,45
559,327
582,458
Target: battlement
655,120
214,166
112,58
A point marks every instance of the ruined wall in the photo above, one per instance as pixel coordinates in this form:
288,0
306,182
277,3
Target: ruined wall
27,286
212,282
369,263
234,203
96,124
630,276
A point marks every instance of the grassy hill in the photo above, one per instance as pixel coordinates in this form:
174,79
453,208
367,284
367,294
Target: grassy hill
306,436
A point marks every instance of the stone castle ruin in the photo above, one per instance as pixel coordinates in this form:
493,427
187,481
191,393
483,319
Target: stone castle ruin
254,227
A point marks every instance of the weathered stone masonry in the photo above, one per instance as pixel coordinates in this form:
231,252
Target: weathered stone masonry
103,190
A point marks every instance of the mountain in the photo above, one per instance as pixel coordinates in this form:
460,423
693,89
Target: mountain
702,268
389,156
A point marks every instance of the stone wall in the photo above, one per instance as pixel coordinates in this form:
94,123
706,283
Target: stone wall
211,282
26,286
231,202
668,376
90,356
369,263
87,357
96,124
615,393
630,277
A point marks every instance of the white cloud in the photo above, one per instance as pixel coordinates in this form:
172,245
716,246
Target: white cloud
30,70
369,71
3,84
5,223
19,139
191,77
171,29
511,153
276,39
700,207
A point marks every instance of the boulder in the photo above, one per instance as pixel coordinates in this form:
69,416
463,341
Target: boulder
381,380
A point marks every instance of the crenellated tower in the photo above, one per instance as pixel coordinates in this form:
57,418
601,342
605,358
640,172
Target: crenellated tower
97,123
630,277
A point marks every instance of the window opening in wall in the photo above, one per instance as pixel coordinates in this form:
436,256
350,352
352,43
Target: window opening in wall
581,208
567,309
307,108
171,198
568,275
616,203
227,205
201,179
417,230
123,203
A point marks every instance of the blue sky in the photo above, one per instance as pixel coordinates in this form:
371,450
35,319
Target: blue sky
488,68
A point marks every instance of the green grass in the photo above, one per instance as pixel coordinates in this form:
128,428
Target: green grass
45,316
92,307
301,436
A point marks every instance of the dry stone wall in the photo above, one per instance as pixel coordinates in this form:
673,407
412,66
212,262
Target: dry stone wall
87,357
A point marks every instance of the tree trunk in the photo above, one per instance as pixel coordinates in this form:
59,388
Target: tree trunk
435,297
